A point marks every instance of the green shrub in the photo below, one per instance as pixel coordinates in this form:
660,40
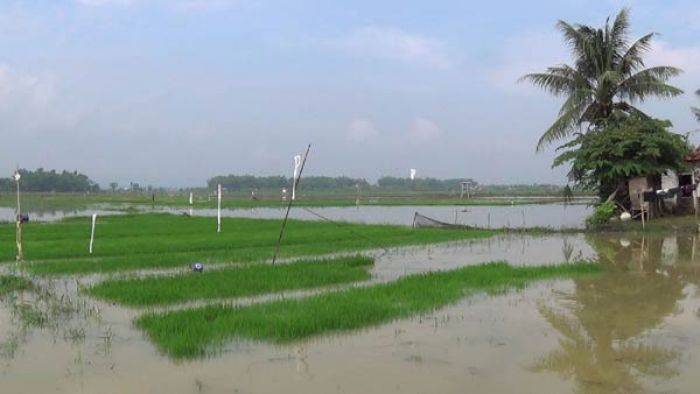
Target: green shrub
602,214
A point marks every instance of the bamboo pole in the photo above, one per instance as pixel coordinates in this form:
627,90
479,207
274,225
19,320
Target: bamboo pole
289,205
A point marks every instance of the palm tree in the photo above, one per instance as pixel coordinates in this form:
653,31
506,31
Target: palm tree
607,78
695,110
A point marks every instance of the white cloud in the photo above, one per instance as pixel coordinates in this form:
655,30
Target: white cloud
31,101
423,131
395,44
31,90
361,130
686,58
523,54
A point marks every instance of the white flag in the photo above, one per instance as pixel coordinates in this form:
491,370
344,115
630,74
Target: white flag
297,165
413,173
191,199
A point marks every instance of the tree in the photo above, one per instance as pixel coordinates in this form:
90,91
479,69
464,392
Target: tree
696,110
41,180
113,186
608,77
605,159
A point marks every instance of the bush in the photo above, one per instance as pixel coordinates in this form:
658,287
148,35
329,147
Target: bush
602,214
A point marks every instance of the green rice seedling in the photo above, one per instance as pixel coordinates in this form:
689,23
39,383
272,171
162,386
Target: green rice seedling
10,283
147,241
197,332
249,280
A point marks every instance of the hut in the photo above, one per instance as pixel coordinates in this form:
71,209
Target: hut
692,178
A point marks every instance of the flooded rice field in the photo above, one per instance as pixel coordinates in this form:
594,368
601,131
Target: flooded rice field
555,216
633,328
7,214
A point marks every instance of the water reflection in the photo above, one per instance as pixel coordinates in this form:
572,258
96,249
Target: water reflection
606,320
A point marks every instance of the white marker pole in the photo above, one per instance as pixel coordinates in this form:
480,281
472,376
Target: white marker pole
191,203
92,233
297,165
218,209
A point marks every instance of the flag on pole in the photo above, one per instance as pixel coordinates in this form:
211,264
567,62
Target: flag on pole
297,165
413,173
191,198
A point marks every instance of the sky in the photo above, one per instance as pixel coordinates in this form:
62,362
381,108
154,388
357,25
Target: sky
173,92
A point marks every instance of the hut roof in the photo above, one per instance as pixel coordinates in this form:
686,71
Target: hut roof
693,157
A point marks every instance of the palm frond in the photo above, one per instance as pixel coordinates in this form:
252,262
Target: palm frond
576,37
620,28
551,82
606,78
632,59
564,126
650,82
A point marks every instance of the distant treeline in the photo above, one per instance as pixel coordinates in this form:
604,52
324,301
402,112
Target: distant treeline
423,184
50,181
316,183
321,183
247,183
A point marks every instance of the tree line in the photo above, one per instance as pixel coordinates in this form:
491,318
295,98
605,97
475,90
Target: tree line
50,181
327,183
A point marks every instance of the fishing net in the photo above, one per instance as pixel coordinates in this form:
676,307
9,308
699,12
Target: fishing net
424,221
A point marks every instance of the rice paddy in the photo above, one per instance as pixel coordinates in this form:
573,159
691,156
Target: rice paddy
245,281
158,241
195,332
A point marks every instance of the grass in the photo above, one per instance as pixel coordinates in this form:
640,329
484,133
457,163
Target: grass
198,332
147,241
10,283
233,282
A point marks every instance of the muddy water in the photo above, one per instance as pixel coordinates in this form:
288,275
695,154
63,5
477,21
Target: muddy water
634,328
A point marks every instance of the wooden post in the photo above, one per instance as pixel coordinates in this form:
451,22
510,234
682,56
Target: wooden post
643,206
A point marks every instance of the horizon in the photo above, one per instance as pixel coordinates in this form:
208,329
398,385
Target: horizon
174,93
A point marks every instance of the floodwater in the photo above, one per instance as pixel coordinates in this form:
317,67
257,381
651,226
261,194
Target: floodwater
634,328
556,216
52,214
